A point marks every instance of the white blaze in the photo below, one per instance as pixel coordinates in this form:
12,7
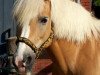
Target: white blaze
22,46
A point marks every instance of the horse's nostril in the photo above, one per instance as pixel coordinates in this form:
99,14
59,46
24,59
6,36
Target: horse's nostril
29,58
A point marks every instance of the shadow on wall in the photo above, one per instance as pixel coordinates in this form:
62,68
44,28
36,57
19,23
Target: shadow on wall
4,36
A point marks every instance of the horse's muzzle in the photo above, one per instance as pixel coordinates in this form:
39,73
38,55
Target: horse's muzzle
25,64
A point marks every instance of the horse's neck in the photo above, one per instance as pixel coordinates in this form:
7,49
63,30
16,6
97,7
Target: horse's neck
74,56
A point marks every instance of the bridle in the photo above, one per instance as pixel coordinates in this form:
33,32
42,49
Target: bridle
36,50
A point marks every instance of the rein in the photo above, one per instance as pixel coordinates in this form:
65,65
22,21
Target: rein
36,50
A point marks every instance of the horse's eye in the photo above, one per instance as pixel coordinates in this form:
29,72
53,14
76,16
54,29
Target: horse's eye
43,20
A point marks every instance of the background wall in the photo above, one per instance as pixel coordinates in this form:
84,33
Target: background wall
7,26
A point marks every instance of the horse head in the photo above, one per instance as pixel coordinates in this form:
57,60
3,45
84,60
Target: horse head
34,31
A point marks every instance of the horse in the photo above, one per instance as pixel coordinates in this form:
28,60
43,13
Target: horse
65,29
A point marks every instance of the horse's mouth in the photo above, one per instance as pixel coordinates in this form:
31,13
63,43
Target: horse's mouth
22,68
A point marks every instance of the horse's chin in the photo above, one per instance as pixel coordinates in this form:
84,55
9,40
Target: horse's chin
22,70
28,73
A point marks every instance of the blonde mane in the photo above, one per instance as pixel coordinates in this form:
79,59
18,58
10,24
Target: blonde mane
71,20
25,10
